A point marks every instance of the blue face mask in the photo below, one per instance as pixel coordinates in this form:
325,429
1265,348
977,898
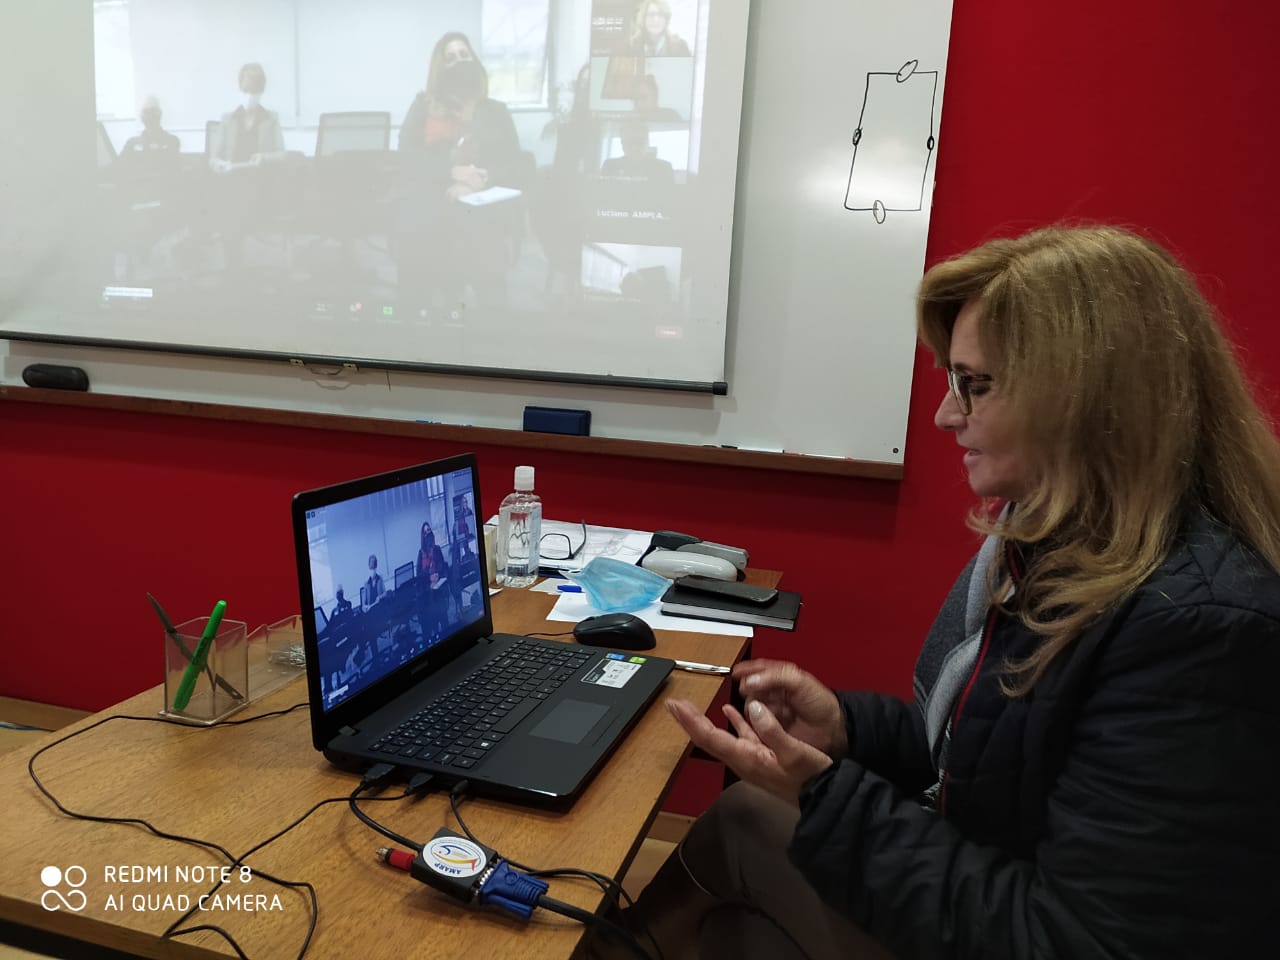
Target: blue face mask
612,586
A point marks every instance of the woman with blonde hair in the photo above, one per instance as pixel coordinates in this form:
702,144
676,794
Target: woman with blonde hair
651,34
1087,768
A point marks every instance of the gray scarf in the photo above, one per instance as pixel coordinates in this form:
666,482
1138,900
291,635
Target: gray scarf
950,652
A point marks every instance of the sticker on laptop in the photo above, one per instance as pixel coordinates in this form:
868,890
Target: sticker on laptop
613,671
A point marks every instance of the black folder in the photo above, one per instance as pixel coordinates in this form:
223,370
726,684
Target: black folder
780,613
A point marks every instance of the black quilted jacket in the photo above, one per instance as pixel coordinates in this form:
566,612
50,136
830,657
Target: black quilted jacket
1128,807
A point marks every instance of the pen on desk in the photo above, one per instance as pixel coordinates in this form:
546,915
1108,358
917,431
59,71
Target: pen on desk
693,667
199,658
176,637
569,588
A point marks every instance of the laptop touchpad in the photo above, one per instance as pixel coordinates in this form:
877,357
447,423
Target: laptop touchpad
570,721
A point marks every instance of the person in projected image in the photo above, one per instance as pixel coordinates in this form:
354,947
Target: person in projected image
646,96
247,143
451,48
343,605
374,585
434,114
147,173
647,285
562,206
651,34
431,577
249,134
1087,767
154,149
639,161
460,142
431,562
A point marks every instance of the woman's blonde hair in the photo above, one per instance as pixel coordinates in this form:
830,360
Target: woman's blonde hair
1129,406
638,30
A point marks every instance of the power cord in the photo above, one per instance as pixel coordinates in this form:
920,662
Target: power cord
612,889
610,886
172,930
469,871
371,780
375,776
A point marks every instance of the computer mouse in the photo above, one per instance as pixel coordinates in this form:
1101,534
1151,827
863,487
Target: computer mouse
621,631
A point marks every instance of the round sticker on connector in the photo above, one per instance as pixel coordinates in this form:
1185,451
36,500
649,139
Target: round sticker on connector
454,857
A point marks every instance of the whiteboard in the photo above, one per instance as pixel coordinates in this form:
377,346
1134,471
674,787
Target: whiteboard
820,344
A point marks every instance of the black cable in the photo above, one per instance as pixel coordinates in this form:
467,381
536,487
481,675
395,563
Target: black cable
568,633
610,886
171,931
606,883
373,824
215,929
181,838
194,841
589,919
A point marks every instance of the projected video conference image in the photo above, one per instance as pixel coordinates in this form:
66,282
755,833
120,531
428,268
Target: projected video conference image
392,574
436,182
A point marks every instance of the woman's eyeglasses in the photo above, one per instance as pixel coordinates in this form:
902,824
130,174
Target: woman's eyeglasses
961,384
561,546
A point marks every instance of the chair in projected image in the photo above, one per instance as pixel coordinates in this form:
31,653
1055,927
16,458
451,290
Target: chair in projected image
403,574
399,606
347,202
251,206
362,130
106,149
212,130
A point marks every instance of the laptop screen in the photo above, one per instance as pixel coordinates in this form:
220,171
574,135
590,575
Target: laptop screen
395,572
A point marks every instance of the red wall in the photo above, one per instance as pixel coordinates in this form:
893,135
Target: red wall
1132,113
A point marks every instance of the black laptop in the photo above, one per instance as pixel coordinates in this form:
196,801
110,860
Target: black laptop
403,666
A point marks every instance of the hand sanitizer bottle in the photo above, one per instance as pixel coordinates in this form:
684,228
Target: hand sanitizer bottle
519,533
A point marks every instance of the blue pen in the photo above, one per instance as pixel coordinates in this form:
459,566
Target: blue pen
569,588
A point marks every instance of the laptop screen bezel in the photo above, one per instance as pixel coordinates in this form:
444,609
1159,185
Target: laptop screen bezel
326,724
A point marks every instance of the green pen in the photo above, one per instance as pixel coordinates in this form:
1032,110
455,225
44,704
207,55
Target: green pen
176,637
192,673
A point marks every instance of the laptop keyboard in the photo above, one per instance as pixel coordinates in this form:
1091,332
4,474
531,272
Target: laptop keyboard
460,726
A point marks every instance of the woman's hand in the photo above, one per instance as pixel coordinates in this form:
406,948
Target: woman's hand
470,176
762,753
805,708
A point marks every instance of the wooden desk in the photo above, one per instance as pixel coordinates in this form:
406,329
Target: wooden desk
237,785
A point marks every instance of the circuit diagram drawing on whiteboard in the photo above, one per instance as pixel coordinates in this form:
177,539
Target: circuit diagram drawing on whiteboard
894,142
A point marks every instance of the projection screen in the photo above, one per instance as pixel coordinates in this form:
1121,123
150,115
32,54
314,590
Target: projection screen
524,188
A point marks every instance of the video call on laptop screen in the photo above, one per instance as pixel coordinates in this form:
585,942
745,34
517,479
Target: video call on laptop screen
392,573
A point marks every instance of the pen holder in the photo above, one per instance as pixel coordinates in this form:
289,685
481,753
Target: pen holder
222,687
276,656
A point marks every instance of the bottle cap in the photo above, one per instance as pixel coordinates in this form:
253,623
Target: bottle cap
524,478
